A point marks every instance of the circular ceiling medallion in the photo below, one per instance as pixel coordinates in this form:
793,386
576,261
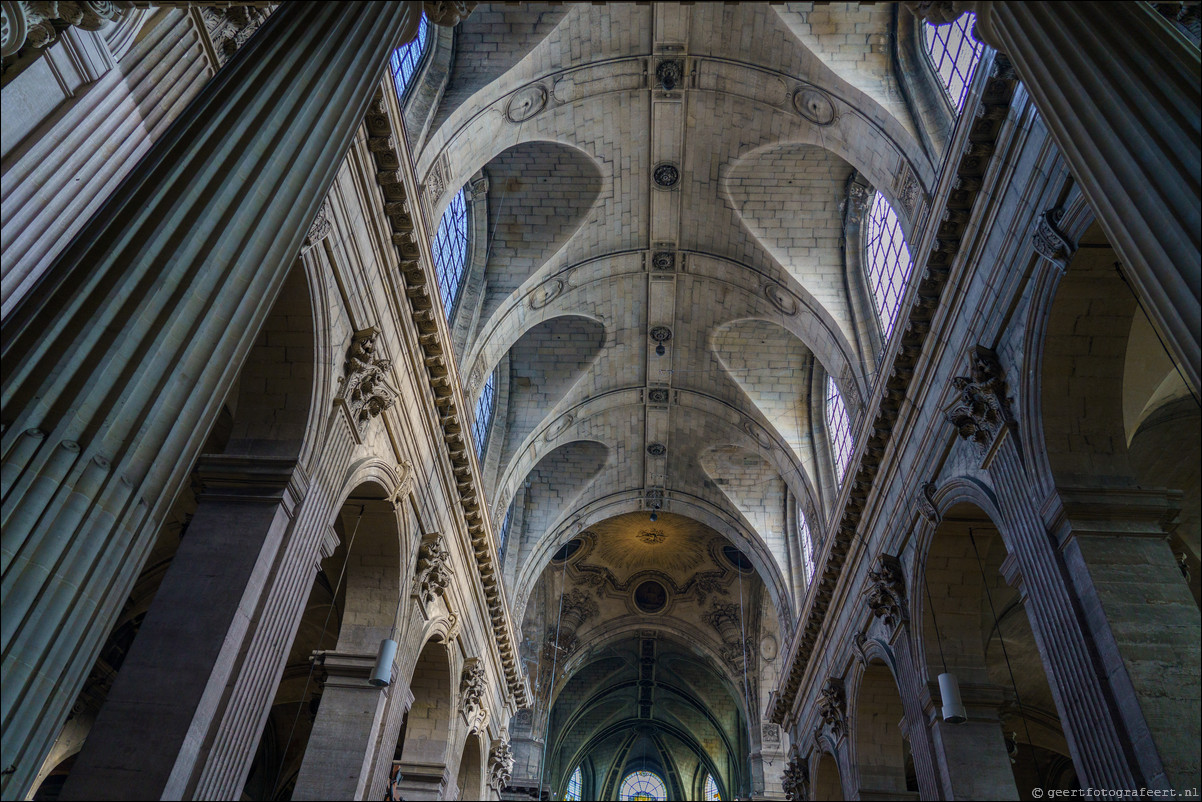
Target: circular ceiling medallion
737,558
657,395
663,260
666,175
661,334
815,106
782,300
567,550
525,103
657,449
651,596
669,73
546,293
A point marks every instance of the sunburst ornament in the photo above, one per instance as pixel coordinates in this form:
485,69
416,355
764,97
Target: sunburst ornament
652,537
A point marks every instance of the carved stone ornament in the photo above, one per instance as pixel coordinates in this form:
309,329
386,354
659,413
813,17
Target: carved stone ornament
796,778
857,201
433,569
652,537
657,449
725,618
1050,242
473,683
665,175
448,13
815,105
364,390
526,103
886,595
926,502
657,395
937,12
231,26
660,334
577,607
500,763
36,25
982,411
832,706
663,260
669,74
320,229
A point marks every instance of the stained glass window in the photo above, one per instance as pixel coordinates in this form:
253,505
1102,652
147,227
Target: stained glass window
575,783
888,261
642,785
807,546
711,789
406,59
839,427
954,55
484,410
450,252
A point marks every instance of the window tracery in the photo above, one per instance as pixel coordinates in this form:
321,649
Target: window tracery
485,407
450,252
954,54
575,782
887,259
642,785
838,426
807,546
406,59
711,789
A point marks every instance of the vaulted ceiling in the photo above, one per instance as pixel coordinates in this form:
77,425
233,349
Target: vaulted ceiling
666,175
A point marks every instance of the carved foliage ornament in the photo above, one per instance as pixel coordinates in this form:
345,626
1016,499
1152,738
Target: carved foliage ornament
832,706
364,389
886,593
500,763
669,74
981,411
320,228
433,569
448,13
926,502
796,778
36,25
230,27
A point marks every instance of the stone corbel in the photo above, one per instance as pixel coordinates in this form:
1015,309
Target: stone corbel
925,501
796,779
886,591
473,688
1050,242
832,708
500,763
365,393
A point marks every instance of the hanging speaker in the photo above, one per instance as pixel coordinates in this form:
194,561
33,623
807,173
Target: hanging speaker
381,676
953,708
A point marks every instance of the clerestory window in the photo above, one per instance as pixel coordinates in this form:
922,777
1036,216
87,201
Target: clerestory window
485,407
954,54
711,789
407,58
887,260
575,783
642,785
807,546
450,252
838,426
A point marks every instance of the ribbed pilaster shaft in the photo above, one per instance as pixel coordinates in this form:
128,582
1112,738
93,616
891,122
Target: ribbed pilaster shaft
116,363
1119,92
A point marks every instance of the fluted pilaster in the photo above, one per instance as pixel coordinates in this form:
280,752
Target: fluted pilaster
115,365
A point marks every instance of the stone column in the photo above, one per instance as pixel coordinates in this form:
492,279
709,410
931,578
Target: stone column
116,363
1139,609
1119,90
973,760
146,742
342,746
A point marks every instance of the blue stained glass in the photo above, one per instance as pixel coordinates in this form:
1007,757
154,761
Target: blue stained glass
484,410
505,536
642,785
954,55
711,789
405,59
839,426
575,784
450,252
887,260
